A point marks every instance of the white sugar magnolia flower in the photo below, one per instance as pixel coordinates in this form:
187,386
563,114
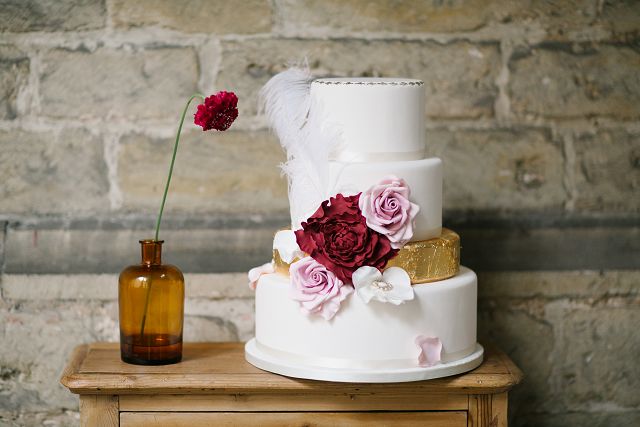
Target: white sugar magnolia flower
287,246
394,285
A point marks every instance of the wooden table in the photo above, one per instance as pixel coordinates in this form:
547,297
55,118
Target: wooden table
215,386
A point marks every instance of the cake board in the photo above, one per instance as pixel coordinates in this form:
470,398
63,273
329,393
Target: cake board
295,368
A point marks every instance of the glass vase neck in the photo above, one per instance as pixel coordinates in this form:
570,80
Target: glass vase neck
151,252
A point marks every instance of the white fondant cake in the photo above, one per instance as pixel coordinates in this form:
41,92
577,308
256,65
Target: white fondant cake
380,119
328,307
374,334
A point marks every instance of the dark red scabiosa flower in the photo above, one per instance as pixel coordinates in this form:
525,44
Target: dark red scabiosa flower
217,112
337,236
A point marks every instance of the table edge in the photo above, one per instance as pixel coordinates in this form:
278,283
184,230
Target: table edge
105,383
70,372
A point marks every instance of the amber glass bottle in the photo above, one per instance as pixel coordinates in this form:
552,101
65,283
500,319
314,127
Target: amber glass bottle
151,299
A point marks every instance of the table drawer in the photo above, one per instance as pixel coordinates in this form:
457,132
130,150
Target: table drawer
279,419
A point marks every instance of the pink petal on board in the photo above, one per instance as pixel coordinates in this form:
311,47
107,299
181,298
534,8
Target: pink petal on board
430,350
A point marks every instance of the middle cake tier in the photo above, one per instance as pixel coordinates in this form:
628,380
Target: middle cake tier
423,177
424,261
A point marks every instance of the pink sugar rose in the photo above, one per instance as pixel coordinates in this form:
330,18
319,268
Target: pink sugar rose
387,209
317,289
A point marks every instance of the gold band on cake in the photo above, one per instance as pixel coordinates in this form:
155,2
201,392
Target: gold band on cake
281,266
430,260
424,261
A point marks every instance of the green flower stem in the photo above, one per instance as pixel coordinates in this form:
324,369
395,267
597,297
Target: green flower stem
164,199
173,160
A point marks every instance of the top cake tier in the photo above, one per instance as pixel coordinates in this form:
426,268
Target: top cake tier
381,119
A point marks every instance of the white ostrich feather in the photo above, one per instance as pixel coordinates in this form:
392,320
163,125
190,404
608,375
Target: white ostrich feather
285,100
306,136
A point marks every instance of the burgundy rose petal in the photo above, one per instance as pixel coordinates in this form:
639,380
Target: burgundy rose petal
337,236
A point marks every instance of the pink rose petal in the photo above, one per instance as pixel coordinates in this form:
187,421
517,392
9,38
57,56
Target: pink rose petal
256,272
430,350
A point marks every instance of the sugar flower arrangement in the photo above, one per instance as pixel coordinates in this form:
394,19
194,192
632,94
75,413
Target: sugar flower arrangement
346,245
352,238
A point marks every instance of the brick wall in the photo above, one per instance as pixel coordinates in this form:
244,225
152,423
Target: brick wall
533,105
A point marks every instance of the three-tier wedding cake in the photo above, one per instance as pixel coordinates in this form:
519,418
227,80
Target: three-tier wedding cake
366,285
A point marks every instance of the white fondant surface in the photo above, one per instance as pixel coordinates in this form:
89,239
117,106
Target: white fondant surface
383,118
424,178
292,367
375,334
381,121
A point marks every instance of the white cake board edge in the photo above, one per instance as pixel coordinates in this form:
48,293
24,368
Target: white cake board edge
279,365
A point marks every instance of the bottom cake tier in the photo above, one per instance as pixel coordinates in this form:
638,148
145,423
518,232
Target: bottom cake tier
374,342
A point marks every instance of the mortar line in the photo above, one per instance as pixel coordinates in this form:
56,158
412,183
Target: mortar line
162,128
209,54
276,15
217,65
502,105
3,258
35,69
108,22
111,37
111,150
569,179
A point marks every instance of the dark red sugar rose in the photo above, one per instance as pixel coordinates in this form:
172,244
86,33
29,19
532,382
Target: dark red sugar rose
337,236
217,112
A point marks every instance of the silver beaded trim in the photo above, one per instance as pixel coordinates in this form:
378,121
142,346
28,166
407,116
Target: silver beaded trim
328,82
383,286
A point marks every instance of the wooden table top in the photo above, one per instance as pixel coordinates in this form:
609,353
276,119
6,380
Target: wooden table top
211,368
